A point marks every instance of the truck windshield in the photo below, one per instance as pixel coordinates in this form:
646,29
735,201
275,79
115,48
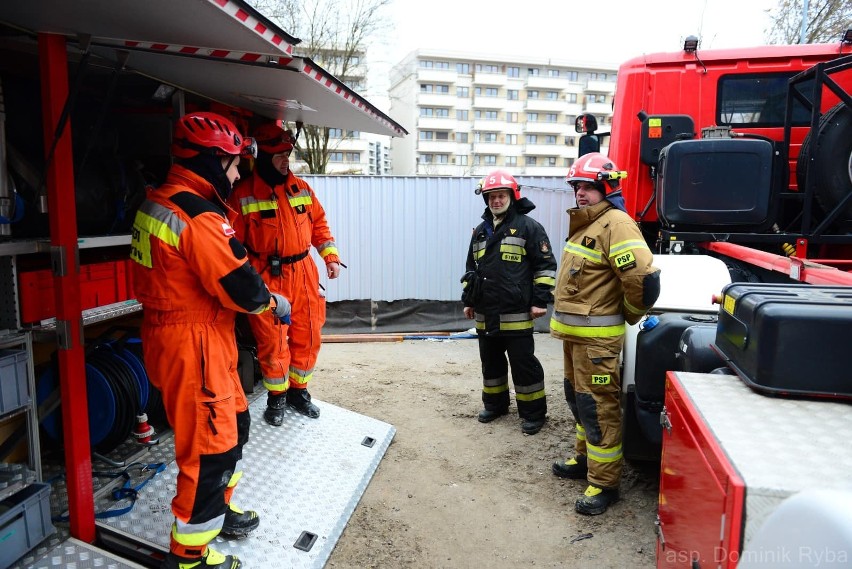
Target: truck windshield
758,100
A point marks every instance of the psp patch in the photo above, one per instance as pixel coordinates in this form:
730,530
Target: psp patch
625,261
601,379
544,247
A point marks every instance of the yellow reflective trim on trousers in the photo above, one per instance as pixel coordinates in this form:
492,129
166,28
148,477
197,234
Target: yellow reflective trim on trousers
581,432
545,280
584,252
235,477
498,389
276,384
622,246
300,200
197,535
255,206
300,377
529,396
516,325
588,331
504,248
480,325
599,454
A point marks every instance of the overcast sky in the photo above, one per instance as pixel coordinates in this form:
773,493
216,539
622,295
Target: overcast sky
606,31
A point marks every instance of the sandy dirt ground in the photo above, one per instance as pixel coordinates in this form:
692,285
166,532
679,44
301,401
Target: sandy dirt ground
451,492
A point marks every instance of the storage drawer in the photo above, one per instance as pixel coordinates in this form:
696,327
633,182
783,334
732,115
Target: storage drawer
14,380
24,522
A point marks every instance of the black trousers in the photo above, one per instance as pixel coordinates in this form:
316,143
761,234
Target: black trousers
527,375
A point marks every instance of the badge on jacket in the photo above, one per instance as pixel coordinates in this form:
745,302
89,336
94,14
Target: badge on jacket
588,243
228,230
544,247
625,261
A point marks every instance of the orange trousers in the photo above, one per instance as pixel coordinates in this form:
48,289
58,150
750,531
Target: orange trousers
288,354
192,359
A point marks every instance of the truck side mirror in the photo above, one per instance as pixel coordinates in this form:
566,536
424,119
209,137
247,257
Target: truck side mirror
586,123
588,143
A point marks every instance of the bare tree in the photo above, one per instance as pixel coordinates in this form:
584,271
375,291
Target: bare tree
827,20
335,34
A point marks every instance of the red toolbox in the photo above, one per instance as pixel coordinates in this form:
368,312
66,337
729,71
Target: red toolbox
730,457
100,284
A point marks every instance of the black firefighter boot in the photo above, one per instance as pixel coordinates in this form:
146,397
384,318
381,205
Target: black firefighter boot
596,500
275,404
576,467
300,400
211,558
239,523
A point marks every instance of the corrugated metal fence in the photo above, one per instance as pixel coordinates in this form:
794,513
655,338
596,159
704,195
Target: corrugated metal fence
406,237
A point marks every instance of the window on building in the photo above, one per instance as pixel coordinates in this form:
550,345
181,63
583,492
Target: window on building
513,71
510,161
462,91
461,137
426,158
511,117
426,135
530,160
477,91
335,133
511,139
593,76
335,157
462,114
461,160
491,115
427,112
512,94
570,141
532,94
551,161
490,160
551,117
552,95
477,160
442,158
489,137
491,91
532,139
487,68
571,97
442,65
548,139
532,117
442,112
463,68
426,64
553,73
533,71
353,156
573,76
442,135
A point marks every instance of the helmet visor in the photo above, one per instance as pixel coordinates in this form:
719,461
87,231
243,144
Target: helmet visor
248,147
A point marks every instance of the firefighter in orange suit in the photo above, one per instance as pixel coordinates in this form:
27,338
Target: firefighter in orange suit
278,218
192,276
606,278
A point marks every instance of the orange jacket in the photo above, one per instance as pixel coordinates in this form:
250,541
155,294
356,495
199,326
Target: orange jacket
187,258
287,231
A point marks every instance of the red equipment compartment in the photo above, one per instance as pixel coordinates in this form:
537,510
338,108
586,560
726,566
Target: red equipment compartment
100,284
701,494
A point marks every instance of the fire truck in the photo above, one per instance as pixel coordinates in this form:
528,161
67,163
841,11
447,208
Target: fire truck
89,95
740,177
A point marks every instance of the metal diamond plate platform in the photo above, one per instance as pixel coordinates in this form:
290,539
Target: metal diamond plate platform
304,479
779,446
80,555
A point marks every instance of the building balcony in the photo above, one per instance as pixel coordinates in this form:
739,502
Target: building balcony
425,75
544,82
437,123
547,150
544,105
489,125
436,100
438,146
493,148
490,79
598,108
560,128
482,102
607,87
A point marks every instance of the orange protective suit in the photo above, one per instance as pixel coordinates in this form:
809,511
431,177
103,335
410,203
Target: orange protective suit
285,221
192,276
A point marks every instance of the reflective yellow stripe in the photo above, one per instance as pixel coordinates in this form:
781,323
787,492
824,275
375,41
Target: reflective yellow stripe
498,389
300,376
587,331
505,248
329,251
197,535
632,309
585,252
480,325
581,432
516,325
599,454
545,280
276,384
478,254
252,205
296,201
629,245
529,396
235,477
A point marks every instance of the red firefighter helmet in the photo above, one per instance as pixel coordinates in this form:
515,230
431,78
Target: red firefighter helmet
273,139
596,169
209,133
500,180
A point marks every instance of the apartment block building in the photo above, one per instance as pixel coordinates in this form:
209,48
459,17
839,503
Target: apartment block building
470,113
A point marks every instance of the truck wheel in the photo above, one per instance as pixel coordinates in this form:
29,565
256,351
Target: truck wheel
831,170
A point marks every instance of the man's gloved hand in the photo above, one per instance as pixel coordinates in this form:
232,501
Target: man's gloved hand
282,308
